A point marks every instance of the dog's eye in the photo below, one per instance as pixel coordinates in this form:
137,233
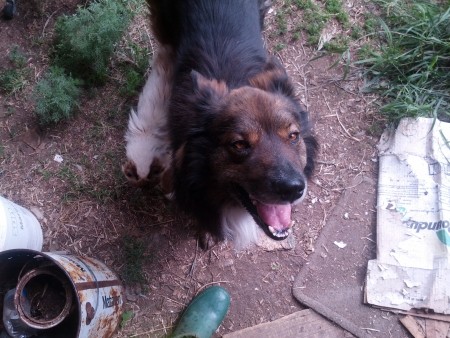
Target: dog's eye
294,137
240,145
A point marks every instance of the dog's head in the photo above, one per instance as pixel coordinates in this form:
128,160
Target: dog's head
256,145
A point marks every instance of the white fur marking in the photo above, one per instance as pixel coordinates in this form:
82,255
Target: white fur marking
147,135
239,226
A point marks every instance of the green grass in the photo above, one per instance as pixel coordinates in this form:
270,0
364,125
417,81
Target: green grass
134,255
279,47
13,80
411,68
17,57
314,21
78,187
295,19
134,68
338,45
56,96
14,76
281,22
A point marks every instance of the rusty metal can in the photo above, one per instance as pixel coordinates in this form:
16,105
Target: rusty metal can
92,294
99,294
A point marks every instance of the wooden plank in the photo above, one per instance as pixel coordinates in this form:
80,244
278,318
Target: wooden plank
413,327
301,324
436,329
443,318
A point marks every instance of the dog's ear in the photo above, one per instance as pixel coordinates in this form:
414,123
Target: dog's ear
208,88
273,78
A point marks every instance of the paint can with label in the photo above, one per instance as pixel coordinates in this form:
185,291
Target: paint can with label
19,228
87,295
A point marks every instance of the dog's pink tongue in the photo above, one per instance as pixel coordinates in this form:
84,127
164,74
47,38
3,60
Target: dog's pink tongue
276,215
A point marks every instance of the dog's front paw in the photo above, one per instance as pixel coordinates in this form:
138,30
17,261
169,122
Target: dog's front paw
130,172
206,241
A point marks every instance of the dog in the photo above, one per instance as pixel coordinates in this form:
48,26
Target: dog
147,139
241,145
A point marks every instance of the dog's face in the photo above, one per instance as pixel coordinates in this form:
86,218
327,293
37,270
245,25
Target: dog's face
258,153
261,152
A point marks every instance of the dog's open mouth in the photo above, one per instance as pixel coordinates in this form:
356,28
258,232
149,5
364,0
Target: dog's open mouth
274,219
277,217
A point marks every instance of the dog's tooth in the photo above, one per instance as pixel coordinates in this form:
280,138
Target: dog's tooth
272,229
290,231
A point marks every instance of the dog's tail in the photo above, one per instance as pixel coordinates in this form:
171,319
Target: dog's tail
165,17
164,21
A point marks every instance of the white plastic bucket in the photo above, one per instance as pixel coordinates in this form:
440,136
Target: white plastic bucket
19,228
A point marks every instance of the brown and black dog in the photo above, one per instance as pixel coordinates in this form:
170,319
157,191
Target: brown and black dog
242,147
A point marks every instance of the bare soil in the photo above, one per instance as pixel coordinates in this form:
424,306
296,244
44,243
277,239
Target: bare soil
86,207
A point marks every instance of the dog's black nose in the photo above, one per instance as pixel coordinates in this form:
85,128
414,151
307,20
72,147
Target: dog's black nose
290,190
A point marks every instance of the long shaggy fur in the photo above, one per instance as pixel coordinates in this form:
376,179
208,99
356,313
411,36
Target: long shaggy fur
242,147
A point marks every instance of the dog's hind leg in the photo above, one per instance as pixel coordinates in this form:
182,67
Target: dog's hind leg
147,140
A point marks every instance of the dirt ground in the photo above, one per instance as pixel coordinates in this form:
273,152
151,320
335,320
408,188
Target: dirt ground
86,206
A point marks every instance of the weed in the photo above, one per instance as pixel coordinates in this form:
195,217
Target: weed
333,6
356,32
411,68
376,128
67,174
365,51
135,69
126,316
279,47
342,17
304,4
56,96
134,254
17,57
371,23
46,174
140,57
315,21
337,45
14,78
296,35
85,41
281,22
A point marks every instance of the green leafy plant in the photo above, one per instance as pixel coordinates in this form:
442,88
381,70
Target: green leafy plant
85,41
126,316
56,96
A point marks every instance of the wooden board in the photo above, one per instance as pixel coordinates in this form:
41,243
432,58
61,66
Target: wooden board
301,324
